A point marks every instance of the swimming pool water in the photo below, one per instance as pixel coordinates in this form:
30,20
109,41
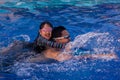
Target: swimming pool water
94,25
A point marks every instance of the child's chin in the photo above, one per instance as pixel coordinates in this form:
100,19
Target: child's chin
47,37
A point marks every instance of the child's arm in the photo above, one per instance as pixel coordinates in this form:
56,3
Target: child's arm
45,42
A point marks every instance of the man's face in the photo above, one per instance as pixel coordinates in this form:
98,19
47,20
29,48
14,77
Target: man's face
46,31
65,38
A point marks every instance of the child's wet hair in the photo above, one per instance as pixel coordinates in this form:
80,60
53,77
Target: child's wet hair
45,22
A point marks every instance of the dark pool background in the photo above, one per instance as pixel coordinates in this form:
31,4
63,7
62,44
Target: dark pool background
94,25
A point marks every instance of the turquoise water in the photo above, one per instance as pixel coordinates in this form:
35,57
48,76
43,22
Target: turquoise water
32,4
94,25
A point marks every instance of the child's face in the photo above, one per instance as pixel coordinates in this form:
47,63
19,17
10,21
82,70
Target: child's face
46,31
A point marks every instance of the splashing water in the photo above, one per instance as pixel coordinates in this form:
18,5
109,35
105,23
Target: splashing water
22,37
97,42
95,24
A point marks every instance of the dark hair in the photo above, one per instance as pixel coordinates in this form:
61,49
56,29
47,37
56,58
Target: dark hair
57,31
45,22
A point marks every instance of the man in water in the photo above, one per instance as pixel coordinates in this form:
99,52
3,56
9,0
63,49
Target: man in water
61,35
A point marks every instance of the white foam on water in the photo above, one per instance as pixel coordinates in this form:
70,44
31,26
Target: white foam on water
118,40
20,3
27,69
97,42
23,69
22,37
105,56
82,39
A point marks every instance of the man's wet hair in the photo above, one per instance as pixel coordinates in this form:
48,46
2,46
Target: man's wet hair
57,31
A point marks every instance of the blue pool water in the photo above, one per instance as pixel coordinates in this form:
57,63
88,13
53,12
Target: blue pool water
94,25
